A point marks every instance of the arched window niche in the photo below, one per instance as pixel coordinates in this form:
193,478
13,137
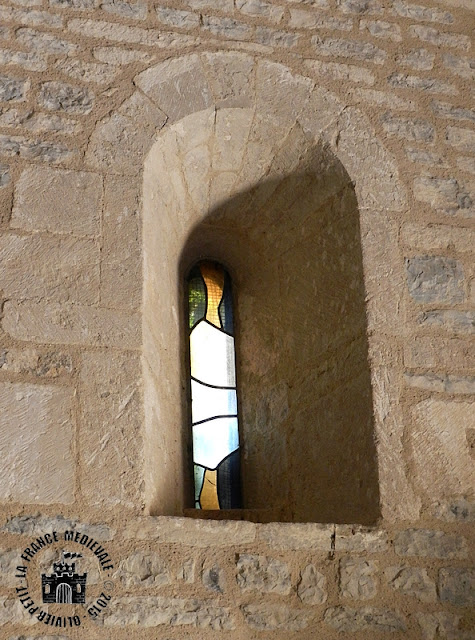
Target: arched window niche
289,235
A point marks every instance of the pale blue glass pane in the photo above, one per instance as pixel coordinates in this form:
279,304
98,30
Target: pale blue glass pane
212,356
207,402
214,440
199,475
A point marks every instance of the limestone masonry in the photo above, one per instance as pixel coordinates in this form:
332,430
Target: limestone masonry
324,152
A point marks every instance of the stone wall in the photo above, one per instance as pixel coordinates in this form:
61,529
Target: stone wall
176,576
135,137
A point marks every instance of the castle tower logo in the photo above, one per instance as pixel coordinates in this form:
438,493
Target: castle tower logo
64,585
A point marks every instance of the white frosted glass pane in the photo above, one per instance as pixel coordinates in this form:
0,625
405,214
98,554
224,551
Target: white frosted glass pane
214,440
212,356
207,402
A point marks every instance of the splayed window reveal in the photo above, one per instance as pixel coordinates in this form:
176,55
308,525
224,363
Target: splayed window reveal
214,417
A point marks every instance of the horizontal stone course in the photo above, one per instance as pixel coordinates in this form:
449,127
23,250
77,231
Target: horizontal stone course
190,532
268,617
58,323
297,536
35,525
459,322
28,149
426,543
150,611
367,619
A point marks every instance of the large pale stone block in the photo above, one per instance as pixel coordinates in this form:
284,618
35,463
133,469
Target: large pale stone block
71,324
178,87
36,441
297,536
357,578
428,543
190,532
442,463
58,201
110,428
121,263
368,619
269,617
231,78
43,268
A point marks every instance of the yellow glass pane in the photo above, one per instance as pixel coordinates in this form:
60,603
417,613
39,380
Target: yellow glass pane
209,492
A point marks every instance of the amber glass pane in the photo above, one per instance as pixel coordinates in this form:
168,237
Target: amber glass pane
215,431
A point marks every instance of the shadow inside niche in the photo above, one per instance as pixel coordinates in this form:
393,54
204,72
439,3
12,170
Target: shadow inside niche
292,246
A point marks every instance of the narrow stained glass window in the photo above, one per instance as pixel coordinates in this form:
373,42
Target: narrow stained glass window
214,414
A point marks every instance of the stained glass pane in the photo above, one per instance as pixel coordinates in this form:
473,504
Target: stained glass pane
213,388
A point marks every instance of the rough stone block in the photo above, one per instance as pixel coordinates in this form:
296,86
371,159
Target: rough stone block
454,321
359,539
404,128
297,536
443,194
303,19
440,625
429,85
260,573
426,543
150,611
418,59
440,39
446,110
341,72
435,279
28,61
213,578
369,619
267,617
178,87
466,164
9,560
90,72
12,612
408,129
412,581
227,28
357,579
44,42
457,586
231,78
27,273
18,146
58,96
441,383
190,532
311,587
463,67
382,29
272,38
13,89
461,510
360,7
435,237
142,569
36,418
425,14
442,464
134,10
177,18
36,525
336,47
41,195
461,139
260,9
